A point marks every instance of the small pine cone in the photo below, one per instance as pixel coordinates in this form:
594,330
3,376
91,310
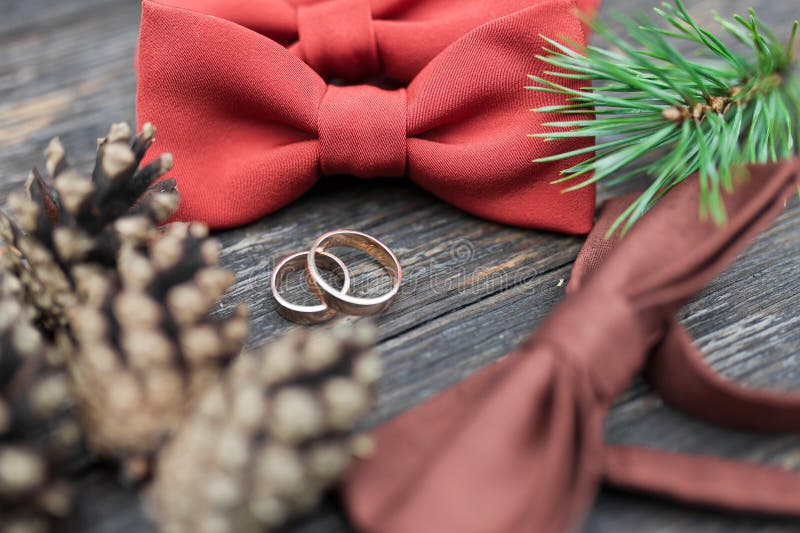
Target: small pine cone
146,344
38,433
75,219
264,444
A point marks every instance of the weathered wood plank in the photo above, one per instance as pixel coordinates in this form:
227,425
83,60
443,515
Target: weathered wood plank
30,13
473,289
70,79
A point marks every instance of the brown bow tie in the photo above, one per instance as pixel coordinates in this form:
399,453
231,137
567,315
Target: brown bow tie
519,446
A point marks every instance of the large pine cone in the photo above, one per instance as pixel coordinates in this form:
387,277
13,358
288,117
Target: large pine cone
264,444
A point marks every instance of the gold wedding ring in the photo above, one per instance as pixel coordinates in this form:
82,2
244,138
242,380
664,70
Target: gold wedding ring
340,300
335,300
307,314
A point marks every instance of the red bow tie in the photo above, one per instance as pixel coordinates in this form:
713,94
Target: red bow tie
358,39
252,127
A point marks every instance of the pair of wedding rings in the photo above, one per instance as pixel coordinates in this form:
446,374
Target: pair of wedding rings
332,300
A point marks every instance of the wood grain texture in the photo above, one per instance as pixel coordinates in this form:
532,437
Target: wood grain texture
473,289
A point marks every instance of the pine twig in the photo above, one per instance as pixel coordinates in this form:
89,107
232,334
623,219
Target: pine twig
705,114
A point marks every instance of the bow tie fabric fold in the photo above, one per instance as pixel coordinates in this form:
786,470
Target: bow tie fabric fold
252,127
519,445
359,39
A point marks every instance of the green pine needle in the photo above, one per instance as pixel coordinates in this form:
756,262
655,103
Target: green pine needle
705,114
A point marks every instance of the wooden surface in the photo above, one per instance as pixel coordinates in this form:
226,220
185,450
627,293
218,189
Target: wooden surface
473,291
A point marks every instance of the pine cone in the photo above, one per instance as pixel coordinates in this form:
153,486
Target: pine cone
266,442
146,344
77,219
37,431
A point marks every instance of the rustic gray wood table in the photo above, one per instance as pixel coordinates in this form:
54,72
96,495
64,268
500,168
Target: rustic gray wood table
474,289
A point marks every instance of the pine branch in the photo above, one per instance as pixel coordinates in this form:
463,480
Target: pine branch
707,113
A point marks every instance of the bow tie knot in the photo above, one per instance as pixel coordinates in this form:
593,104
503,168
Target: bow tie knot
362,131
620,336
338,39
